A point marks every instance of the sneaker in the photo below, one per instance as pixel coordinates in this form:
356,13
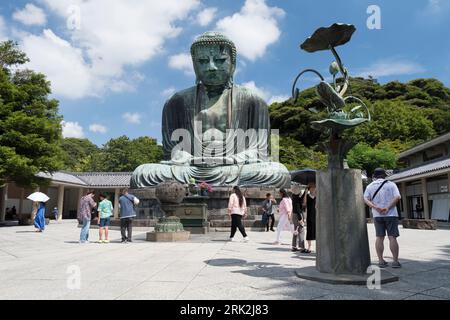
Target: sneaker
246,239
294,249
272,230
382,264
100,241
232,240
396,264
123,241
106,241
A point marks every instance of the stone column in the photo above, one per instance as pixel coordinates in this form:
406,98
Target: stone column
426,209
4,198
342,240
80,195
448,183
116,203
60,201
404,200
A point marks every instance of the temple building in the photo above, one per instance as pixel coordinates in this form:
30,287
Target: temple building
65,191
424,183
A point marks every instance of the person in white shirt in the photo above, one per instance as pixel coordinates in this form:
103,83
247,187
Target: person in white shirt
382,196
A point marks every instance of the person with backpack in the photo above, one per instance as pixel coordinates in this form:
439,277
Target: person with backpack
382,197
127,213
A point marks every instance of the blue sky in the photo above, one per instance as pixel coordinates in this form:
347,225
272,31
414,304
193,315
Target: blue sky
113,63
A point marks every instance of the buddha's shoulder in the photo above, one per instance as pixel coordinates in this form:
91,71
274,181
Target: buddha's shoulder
182,95
248,94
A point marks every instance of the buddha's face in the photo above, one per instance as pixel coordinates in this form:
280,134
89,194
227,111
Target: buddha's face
213,64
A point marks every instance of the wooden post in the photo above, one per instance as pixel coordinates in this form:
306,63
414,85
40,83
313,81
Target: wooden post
116,203
4,198
60,201
426,209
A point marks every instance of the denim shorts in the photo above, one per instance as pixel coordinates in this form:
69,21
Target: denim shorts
386,224
104,222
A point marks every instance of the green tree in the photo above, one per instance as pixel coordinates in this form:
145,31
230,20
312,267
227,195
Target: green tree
78,154
294,155
122,154
30,130
364,157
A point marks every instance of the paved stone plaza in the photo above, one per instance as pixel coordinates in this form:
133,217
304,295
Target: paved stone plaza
36,266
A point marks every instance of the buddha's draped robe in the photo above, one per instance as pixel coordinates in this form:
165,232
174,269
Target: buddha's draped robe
250,165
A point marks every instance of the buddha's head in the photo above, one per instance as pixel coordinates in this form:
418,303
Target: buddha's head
214,59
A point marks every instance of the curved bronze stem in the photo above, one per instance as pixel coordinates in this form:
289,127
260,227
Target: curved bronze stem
294,91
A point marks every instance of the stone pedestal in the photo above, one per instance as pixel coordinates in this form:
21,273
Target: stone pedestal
342,241
343,254
193,214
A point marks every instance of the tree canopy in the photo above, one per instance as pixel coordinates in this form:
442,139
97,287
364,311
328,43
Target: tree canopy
404,114
30,129
121,154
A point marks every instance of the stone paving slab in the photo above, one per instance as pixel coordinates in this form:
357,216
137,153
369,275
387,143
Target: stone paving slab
38,266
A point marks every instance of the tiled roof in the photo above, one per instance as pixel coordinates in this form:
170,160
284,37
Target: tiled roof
90,179
428,144
423,169
60,176
105,179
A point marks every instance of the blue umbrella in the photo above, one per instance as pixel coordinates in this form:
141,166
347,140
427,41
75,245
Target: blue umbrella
304,176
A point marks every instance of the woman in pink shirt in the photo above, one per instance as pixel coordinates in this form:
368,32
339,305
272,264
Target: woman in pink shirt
285,210
237,208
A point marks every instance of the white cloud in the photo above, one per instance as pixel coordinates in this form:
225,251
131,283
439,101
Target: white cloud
132,117
63,64
72,130
30,15
205,16
97,128
280,98
390,67
168,92
183,62
263,93
253,29
114,38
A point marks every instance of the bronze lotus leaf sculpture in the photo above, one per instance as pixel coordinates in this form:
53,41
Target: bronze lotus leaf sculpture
341,115
335,35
